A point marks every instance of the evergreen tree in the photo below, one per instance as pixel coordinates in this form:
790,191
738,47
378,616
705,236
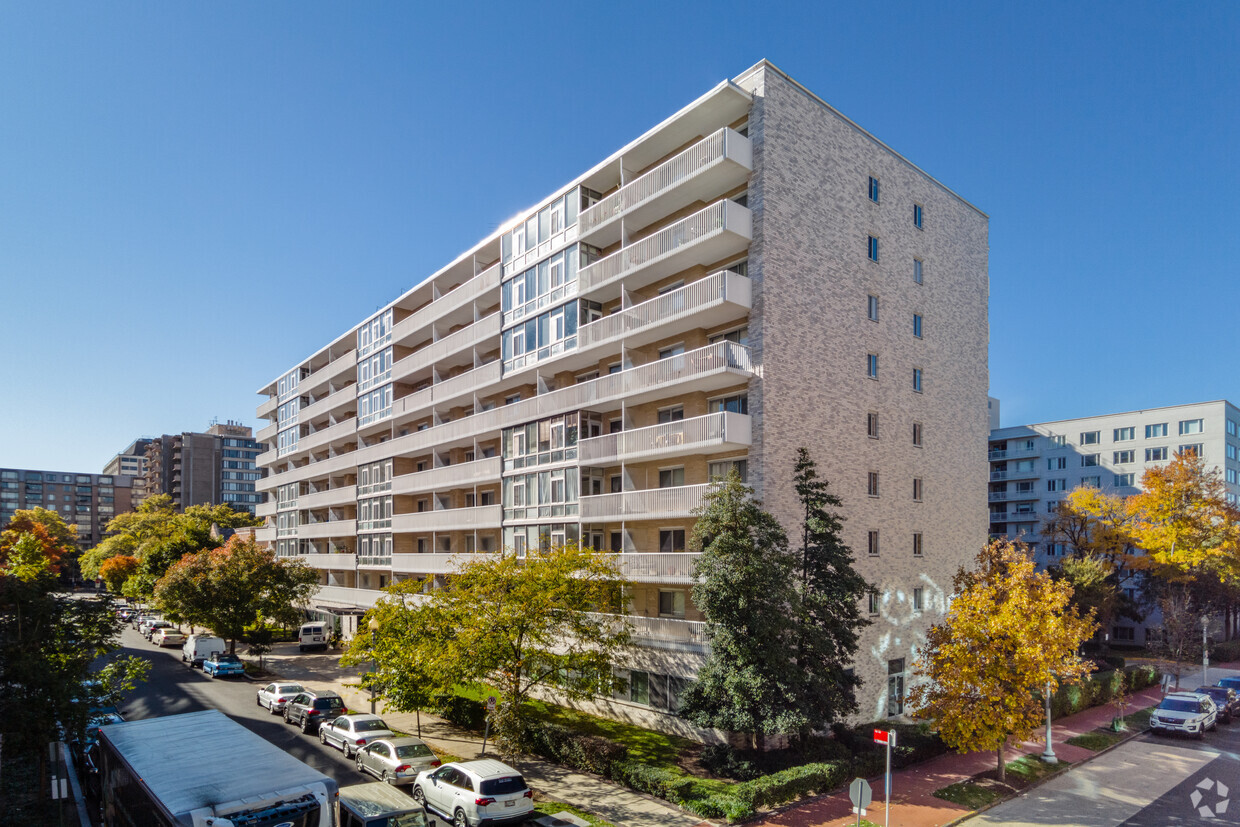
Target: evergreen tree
745,589
829,617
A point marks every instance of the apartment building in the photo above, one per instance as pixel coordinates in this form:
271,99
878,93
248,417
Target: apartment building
219,466
88,501
754,274
1033,467
131,462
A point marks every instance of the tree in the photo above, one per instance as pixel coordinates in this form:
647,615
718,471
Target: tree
745,590
1096,588
57,540
116,570
1010,632
1178,639
229,588
520,624
829,617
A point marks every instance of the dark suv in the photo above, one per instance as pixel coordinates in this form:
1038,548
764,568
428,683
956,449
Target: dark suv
312,707
1225,698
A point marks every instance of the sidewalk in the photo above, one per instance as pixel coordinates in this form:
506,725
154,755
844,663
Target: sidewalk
619,805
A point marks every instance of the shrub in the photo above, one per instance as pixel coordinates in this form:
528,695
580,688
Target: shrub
797,782
589,753
1100,688
914,743
1225,651
464,712
723,760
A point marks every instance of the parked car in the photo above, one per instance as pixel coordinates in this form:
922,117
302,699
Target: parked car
396,759
143,620
348,732
475,793
150,627
309,709
198,648
1187,712
377,805
312,636
275,695
168,637
1231,683
222,663
1227,701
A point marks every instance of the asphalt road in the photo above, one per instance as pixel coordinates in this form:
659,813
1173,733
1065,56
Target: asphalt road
173,688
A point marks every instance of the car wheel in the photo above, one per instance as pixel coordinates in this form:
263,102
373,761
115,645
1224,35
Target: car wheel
271,707
258,701
1201,734
360,766
287,719
305,726
347,750
322,736
419,796
460,820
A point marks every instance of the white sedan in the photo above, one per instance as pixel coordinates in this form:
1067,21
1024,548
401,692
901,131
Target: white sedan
275,695
349,732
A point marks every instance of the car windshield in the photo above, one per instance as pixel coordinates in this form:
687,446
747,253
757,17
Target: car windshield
1212,691
227,659
289,687
369,726
413,751
503,786
1178,705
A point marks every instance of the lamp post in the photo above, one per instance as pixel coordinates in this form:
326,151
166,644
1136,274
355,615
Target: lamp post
1049,755
374,627
1205,652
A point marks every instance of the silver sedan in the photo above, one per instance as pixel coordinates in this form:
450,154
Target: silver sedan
348,732
275,695
396,760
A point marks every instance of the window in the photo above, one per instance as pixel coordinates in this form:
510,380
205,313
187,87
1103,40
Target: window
1231,476
670,540
731,404
1089,437
1124,434
1052,506
1155,454
871,425
917,489
1122,457
917,434
1057,485
871,369
616,541
873,189
617,483
1091,482
1231,427
674,414
739,336
1123,480
918,216
872,308
1057,440
1231,451
873,542
872,248
918,599
917,380
917,268
1056,463
917,544
917,325
1124,633
1190,426
671,603
672,477
872,485
1154,431
895,687
721,469
1089,460
1194,449
669,352
873,603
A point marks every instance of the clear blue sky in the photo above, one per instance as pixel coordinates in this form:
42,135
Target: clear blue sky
185,187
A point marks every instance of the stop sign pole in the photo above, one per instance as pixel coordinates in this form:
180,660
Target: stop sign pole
888,737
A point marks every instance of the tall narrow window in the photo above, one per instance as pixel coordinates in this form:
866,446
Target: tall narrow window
917,489
918,216
917,544
919,601
873,189
917,325
917,434
895,687
917,380
872,485
917,267
872,247
872,601
872,365
871,425
872,542
872,308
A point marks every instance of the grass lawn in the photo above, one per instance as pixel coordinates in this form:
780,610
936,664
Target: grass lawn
1103,737
550,808
985,789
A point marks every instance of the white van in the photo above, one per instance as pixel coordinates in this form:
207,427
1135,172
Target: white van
312,635
198,648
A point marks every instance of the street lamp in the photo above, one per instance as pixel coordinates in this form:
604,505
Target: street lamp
1049,755
1205,651
374,627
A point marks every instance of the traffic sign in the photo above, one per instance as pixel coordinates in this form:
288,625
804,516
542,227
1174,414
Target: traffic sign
885,736
491,703
860,794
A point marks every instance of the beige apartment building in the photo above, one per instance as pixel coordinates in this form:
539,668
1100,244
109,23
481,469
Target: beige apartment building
754,274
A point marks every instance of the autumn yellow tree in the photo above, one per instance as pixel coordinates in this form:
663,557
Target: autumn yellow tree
116,570
1010,631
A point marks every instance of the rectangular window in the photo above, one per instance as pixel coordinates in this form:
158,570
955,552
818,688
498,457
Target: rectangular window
1231,451
895,687
671,540
873,189
872,365
1089,437
1091,482
1155,431
1155,454
873,542
1194,449
918,599
671,477
731,404
1057,485
1089,460
917,325
917,269
872,248
1231,476
917,489
669,352
918,216
872,603
917,434
1057,440
671,604
674,414
1231,427
1052,506
917,544
1190,426
872,486
871,425
872,308
917,380
1122,457
1123,480
1056,463
1124,434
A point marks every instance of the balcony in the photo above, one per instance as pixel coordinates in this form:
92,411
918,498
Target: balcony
267,407
345,495
1013,496
267,434
720,230
338,368
482,332
327,528
436,563
1012,453
712,433
449,519
345,397
647,504
325,562
1023,473
447,477
458,389
713,165
711,301
1013,516
672,567
265,534
326,436
662,631
461,296
345,597
267,509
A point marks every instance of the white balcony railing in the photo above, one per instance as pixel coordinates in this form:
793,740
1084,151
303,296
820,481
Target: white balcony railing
436,563
722,429
1013,496
647,504
661,629
449,519
346,596
464,475
328,528
413,326
327,561
1010,453
669,567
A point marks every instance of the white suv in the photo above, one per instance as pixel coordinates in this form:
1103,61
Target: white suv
475,793
1189,712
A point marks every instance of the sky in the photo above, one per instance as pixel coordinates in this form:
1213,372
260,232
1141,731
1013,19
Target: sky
194,197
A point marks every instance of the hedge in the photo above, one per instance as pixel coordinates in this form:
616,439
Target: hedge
1100,688
464,712
1225,651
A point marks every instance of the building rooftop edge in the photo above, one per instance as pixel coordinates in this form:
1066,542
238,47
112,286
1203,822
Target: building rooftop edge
1115,413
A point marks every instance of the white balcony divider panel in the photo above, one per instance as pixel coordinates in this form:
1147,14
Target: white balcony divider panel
647,504
698,433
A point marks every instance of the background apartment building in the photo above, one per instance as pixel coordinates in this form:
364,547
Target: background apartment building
132,463
218,466
88,501
753,275
1033,467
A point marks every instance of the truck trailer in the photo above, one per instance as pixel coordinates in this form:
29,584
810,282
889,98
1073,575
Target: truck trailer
202,769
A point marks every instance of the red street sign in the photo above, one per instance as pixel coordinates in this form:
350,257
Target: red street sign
880,736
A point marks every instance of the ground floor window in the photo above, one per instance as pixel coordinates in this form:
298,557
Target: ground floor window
895,687
654,690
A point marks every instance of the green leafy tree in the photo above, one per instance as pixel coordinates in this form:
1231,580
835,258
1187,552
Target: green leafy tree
1010,632
57,540
745,590
829,618
519,624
